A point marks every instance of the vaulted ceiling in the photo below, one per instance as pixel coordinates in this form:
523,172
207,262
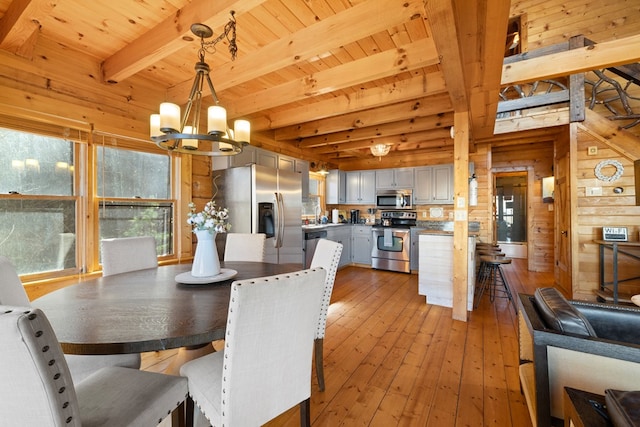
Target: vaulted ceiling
321,79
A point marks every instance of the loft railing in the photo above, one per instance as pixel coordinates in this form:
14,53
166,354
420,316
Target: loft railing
615,88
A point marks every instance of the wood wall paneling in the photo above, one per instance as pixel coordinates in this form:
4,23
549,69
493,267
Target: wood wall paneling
608,209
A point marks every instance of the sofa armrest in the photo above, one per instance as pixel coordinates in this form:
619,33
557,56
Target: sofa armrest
559,314
564,359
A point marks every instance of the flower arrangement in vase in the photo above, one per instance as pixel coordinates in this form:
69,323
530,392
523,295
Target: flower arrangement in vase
206,224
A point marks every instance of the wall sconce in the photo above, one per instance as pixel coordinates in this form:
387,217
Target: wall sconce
548,186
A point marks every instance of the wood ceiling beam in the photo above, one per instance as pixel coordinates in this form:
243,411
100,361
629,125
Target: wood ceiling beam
549,118
398,126
338,30
484,64
170,35
397,160
440,14
367,98
410,57
414,140
597,56
436,105
20,25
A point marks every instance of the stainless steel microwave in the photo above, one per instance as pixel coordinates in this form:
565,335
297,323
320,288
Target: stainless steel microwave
394,199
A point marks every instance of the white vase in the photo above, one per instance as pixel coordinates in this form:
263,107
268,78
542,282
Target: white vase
205,261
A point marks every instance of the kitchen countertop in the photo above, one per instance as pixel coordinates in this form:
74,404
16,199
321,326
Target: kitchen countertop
445,232
321,226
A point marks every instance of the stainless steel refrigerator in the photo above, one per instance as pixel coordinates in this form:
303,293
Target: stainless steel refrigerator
264,200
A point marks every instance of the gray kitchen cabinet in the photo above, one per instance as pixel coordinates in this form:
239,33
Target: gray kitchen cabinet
361,187
336,187
361,244
341,234
267,158
246,157
286,163
251,155
302,166
433,185
400,178
414,263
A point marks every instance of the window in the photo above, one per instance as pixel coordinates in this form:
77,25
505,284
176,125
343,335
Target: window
47,195
511,207
314,208
134,191
38,203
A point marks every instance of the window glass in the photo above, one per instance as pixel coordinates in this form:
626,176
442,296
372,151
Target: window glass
125,179
35,165
38,235
133,174
133,219
37,207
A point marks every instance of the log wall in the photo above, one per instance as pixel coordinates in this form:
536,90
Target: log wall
594,212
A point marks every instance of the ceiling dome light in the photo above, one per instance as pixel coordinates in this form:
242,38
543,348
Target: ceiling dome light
380,150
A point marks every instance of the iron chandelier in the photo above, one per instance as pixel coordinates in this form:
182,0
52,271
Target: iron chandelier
173,133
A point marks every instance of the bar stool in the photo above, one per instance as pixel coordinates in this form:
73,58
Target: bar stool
491,276
482,267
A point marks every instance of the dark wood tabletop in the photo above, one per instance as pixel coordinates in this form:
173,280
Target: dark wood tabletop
145,310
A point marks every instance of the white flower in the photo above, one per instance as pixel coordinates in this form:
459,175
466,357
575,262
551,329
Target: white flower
210,218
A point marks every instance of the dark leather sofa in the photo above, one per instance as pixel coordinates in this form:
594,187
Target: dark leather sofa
566,343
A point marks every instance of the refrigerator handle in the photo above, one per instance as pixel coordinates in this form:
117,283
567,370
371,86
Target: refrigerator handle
280,218
277,207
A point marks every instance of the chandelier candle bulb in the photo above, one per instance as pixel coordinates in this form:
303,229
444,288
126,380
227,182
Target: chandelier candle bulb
223,146
242,130
217,119
169,117
154,125
190,143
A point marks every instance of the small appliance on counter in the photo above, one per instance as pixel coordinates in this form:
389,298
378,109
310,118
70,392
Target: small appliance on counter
354,216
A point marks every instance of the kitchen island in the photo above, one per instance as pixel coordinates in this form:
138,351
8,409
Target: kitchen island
435,272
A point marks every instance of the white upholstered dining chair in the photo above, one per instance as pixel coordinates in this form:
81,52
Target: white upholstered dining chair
125,254
327,256
12,293
244,384
244,247
37,390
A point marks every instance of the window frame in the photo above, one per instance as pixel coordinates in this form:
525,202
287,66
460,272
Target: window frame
86,142
100,140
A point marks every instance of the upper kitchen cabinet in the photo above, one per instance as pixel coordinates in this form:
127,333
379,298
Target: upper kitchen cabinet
246,157
302,166
336,187
433,185
401,178
361,187
253,155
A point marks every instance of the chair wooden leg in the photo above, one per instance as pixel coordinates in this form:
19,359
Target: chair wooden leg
177,416
305,413
190,416
317,345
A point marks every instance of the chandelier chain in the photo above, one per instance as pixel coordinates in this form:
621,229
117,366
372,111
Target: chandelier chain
229,33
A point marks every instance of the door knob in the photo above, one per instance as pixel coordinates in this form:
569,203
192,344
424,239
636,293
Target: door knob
564,232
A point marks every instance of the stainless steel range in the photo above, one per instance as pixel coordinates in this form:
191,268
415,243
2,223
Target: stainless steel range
392,241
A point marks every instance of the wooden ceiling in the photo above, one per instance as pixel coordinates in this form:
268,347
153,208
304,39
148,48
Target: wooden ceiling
320,79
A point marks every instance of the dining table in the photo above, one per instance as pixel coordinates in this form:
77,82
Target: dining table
147,310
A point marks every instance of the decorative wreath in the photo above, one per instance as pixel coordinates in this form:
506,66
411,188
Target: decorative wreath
617,174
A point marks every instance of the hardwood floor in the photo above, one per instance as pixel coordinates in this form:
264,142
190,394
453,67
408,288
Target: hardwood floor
393,360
